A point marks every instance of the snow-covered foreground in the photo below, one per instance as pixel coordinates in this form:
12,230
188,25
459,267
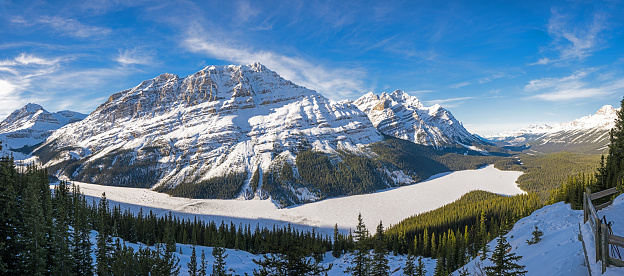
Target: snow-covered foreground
560,252
241,262
390,206
614,213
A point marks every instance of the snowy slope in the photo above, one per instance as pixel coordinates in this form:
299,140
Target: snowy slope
403,116
589,134
560,252
220,121
31,125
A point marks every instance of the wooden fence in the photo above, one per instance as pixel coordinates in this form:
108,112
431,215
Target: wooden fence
603,239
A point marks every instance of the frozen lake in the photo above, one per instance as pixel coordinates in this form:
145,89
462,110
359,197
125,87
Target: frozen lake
390,206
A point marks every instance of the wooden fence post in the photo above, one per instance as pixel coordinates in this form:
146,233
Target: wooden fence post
604,247
597,242
584,207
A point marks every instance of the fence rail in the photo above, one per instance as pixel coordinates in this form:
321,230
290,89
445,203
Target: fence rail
603,239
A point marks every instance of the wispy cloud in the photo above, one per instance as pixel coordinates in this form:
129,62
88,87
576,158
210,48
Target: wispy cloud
576,86
335,83
16,76
449,103
478,81
65,26
574,41
135,56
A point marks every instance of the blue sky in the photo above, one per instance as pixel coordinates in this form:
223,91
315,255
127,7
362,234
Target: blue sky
495,65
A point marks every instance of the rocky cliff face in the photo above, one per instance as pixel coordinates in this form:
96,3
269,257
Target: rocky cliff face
226,122
402,116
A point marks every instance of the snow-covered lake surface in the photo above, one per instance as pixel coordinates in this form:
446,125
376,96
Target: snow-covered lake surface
389,206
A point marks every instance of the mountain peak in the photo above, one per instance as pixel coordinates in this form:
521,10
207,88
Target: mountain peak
403,116
606,110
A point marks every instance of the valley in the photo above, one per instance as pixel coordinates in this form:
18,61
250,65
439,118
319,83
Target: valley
390,206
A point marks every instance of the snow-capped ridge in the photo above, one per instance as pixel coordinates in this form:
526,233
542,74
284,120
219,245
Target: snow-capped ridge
32,124
403,116
588,134
219,121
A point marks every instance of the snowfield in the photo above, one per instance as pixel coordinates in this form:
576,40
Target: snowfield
390,206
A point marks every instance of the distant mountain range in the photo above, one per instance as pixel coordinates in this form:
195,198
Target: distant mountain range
245,132
589,134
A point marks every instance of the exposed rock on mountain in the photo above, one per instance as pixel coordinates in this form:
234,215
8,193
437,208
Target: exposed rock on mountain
402,116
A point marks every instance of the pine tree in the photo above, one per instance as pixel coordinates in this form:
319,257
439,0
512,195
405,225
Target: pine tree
104,242
614,168
504,262
440,269
290,259
34,230
202,266
192,265
379,262
360,264
537,236
410,266
420,269
336,250
170,264
218,252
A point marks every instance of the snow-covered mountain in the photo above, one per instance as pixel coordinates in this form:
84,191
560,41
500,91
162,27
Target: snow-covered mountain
225,122
589,134
403,116
31,125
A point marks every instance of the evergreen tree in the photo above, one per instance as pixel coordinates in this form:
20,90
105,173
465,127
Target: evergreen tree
218,252
34,231
104,249
360,264
420,269
337,249
202,266
410,268
169,263
192,264
63,263
290,260
613,171
440,269
537,236
504,262
379,262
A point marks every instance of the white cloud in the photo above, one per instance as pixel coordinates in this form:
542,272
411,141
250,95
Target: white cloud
572,41
73,27
135,56
449,103
461,84
478,81
573,87
335,83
